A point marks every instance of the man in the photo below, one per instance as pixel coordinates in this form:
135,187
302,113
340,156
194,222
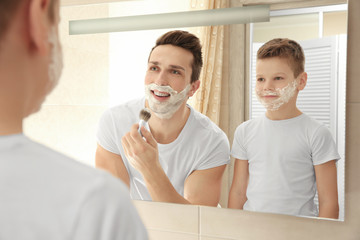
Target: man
183,156
45,195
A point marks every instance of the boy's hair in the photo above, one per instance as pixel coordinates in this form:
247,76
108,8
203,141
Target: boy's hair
8,9
284,48
188,42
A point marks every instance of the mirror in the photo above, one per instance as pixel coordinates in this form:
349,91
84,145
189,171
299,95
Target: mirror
90,82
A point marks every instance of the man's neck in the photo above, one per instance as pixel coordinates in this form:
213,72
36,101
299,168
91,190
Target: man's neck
167,130
11,110
10,125
12,90
12,101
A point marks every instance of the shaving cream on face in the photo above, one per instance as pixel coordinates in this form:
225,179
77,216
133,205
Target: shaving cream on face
56,61
165,109
284,96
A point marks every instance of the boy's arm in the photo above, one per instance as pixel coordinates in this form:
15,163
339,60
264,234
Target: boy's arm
326,180
237,195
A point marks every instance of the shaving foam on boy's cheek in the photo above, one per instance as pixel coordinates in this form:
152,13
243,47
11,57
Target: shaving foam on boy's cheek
284,95
165,109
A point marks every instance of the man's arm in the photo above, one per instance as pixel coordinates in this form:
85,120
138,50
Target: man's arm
201,187
237,195
112,163
326,180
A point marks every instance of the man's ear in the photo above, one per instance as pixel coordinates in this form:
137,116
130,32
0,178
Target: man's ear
194,87
302,81
38,22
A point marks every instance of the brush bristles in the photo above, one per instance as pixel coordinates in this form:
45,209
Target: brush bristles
145,114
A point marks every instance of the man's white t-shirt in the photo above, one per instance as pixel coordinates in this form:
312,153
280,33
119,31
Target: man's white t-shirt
200,145
281,156
46,195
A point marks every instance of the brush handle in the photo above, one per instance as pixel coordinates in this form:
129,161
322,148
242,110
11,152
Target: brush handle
143,123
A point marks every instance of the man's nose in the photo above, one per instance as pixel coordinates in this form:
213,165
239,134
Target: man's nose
161,79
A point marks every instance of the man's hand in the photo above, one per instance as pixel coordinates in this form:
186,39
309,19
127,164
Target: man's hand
142,153
201,187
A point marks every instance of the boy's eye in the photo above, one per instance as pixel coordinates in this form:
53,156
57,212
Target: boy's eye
278,78
260,79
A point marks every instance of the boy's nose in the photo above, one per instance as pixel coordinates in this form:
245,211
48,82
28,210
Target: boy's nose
268,85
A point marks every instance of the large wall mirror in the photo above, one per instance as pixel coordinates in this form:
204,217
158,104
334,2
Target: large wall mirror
103,70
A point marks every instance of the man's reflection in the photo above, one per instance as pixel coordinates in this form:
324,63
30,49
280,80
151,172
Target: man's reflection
183,157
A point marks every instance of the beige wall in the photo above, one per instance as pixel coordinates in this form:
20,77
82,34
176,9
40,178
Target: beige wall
299,27
69,116
171,221
334,22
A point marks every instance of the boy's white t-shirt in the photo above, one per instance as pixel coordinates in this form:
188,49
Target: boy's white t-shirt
200,145
281,156
46,195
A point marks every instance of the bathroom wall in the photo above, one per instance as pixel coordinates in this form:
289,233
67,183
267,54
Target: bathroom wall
70,114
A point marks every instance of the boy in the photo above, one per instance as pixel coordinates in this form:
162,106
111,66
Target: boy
283,157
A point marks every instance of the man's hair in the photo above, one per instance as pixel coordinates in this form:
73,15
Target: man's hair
287,49
9,7
188,42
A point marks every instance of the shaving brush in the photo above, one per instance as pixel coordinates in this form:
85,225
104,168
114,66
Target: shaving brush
144,115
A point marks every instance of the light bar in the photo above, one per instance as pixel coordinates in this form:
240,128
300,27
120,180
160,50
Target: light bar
221,16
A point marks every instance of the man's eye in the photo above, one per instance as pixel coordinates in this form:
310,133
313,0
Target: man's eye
175,72
153,68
